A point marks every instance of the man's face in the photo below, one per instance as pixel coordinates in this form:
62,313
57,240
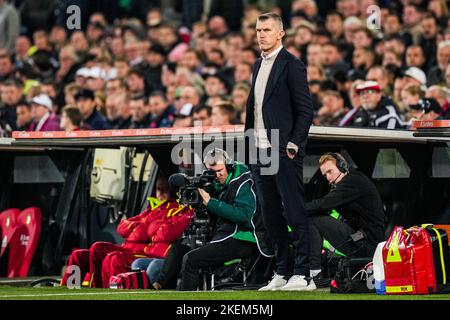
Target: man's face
95,83
361,40
219,118
10,94
214,87
408,98
79,41
414,57
113,86
220,171
38,111
334,23
333,103
64,121
242,73
154,59
23,115
202,118
314,54
348,7
430,28
239,98
329,55
370,99
138,110
5,66
167,36
86,106
303,36
410,16
189,95
392,25
135,83
248,56
330,171
359,58
376,74
443,57
22,45
122,68
190,60
268,34
162,189
132,50
157,105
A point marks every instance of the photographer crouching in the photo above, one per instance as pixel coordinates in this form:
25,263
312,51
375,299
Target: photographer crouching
232,203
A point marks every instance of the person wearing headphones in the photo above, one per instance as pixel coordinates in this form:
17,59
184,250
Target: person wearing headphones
232,204
361,224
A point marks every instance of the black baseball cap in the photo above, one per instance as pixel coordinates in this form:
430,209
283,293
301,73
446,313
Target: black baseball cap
157,48
85,94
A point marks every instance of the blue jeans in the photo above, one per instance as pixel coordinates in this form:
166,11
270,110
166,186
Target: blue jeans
152,266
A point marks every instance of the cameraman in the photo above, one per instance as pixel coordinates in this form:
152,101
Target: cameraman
232,204
361,225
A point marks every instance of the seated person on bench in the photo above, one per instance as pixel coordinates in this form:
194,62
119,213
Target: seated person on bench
361,224
148,234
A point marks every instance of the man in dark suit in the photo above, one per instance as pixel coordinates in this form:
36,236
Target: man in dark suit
279,109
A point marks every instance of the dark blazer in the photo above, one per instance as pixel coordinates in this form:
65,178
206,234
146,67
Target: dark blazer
287,103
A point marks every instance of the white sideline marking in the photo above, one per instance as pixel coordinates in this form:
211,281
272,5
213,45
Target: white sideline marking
68,294
82,293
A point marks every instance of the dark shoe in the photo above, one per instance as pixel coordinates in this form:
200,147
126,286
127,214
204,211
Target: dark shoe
321,281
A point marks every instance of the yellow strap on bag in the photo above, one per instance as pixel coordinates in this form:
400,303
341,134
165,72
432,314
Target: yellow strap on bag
441,255
441,250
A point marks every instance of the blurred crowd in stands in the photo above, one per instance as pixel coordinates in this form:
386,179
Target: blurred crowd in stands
153,64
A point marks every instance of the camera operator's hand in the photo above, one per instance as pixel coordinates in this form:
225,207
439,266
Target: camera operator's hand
205,196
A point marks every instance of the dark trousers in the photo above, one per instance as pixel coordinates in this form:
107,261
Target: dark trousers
338,233
212,255
280,192
172,265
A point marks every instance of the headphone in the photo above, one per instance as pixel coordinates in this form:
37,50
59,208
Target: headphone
214,153
341,163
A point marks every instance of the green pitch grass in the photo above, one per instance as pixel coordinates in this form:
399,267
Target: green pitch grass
60,293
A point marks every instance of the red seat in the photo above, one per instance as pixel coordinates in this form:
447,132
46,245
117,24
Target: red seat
24,242
8,221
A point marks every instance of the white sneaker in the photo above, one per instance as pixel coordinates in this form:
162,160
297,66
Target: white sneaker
299,283
276,283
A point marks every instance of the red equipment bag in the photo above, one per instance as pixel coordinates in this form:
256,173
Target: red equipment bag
441,257
130,280
408,262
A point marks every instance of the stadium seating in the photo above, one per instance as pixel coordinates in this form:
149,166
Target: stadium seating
24,242
8,221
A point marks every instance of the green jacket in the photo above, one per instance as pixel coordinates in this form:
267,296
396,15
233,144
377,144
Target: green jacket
234,205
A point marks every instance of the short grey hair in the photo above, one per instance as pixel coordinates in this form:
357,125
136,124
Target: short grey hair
215,156
443,44
271,15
